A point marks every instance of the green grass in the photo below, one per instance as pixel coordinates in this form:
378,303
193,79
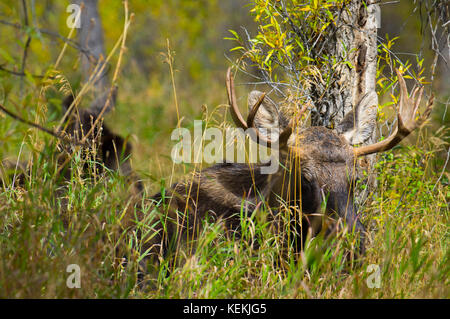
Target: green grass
50,223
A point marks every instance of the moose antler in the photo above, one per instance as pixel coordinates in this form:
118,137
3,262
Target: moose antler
239,119
406,119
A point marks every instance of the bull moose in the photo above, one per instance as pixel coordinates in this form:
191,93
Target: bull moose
314,162
317,165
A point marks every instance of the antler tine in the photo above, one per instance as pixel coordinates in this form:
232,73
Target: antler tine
254,110
235,114
408,108
406,119
422,118
239,119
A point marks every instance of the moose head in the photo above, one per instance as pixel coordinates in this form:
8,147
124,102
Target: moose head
317,166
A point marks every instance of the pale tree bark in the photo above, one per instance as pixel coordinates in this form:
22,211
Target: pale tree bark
91,37
355,41
364,84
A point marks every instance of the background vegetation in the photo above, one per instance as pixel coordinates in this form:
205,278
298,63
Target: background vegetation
40,233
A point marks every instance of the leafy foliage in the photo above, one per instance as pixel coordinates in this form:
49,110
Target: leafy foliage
290,35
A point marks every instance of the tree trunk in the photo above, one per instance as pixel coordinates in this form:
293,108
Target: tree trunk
90,36
355,40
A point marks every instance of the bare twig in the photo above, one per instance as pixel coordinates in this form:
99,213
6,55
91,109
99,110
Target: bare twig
23,73
39,127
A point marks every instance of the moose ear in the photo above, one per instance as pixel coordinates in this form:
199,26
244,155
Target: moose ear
358,125
267,119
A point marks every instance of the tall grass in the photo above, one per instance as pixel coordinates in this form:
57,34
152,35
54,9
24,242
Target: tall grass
49,223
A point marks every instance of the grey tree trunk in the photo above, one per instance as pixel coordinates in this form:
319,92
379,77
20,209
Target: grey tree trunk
90,36
356,42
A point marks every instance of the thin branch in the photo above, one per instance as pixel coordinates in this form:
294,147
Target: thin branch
24,74
39,127
53,34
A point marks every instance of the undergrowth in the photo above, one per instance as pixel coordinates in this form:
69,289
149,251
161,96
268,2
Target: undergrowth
49,223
